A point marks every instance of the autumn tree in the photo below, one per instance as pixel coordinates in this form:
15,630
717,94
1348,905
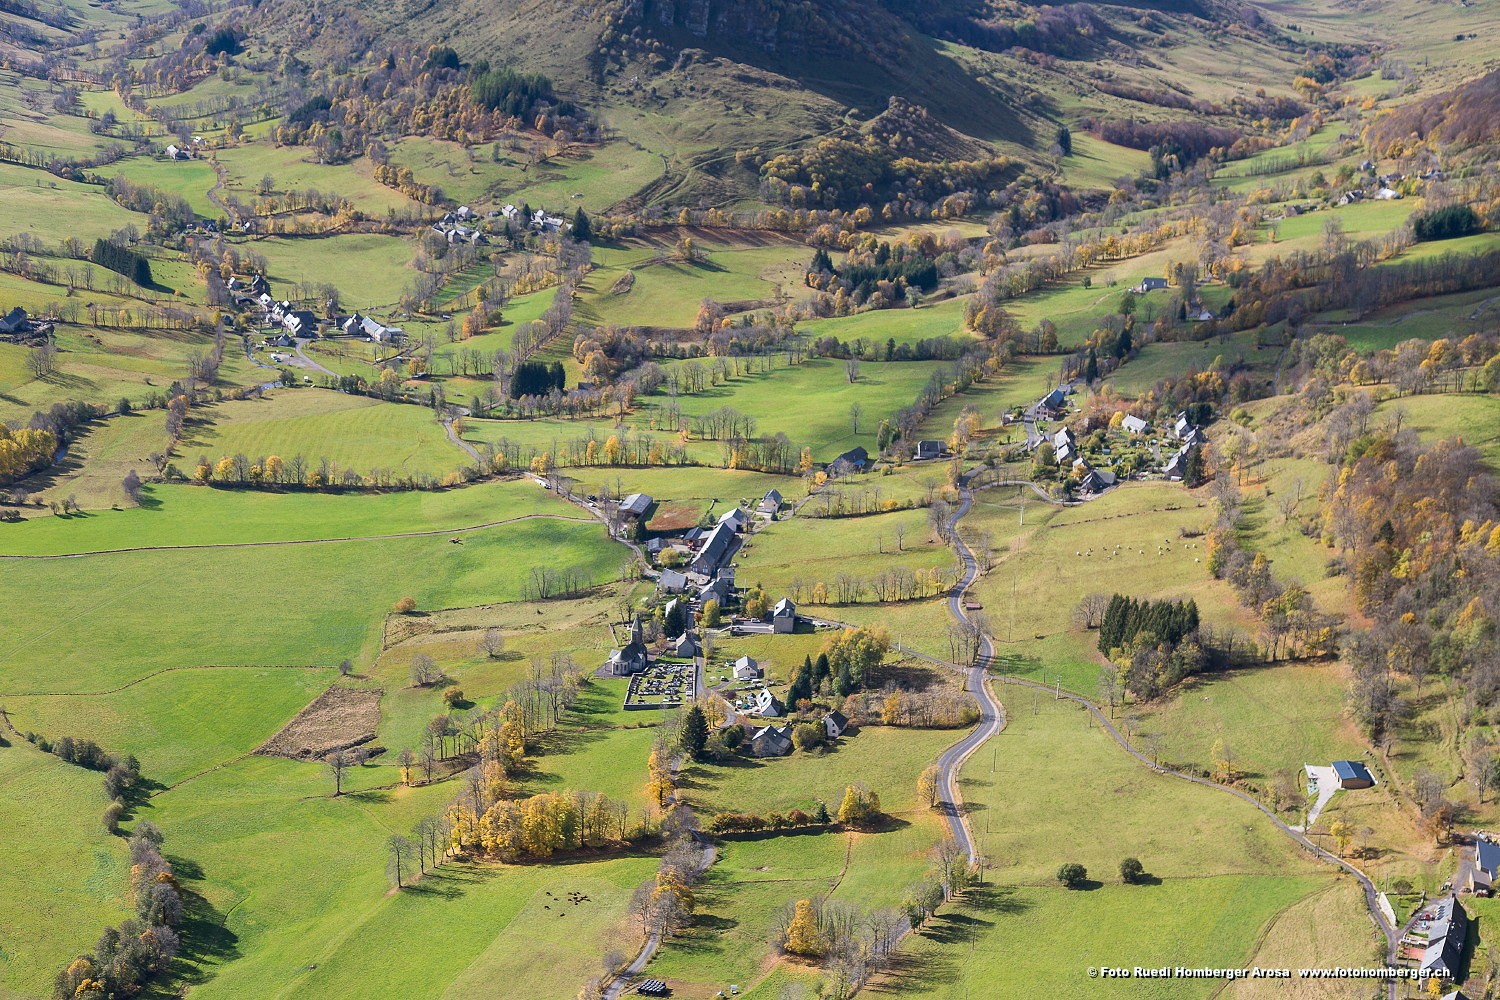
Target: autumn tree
803,935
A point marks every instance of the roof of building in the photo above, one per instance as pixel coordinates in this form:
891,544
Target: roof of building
636,503
717,547
1351,770
774,496
1134,424
1055,399
835,722
1487,854
1447,931
746,663
672,581
735,515
784,607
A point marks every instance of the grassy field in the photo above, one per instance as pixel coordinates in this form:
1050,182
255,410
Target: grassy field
1221,873
291,170
1452,316
667,292
52,812
308,608
178,515
369,269
354,432
814,550
189,179
592,178
904,326
30,201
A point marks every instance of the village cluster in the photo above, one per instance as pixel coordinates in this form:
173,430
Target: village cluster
671,672
1171,452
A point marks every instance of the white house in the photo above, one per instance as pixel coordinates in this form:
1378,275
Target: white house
766,704
1134,425
746,669
771,503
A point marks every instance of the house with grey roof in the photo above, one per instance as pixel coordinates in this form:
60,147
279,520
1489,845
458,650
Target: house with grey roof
686,645
1134,425
736,518
771,741
834,724
672,582
716,550
770,504
1486,866
1446,927
784,616
746,669
852,461
929,448
767,705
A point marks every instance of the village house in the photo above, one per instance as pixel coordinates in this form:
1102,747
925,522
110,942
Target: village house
929,448
1182,426
736,518
746,669
1134,425
686,646
852,461
771,741
1176,467
1150,285
717,549
15,321
770,504
1065,445
720,588
784,617
834,724
300,323
1486,865
634,658
672,582
1446,928
176,152
767,705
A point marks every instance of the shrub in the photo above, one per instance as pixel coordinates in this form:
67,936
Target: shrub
1131,871
1072,874
453,696
406,605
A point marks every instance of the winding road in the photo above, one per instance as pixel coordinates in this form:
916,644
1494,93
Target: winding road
991,714
992,722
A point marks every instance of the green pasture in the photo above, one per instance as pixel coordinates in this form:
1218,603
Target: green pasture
293,604
876,328
291,170
52,819
668,292
1452,316
32,201
354,432
369,269
190,179
180,722
594,178
813,549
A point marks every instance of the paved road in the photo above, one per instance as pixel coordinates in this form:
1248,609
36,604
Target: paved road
991,714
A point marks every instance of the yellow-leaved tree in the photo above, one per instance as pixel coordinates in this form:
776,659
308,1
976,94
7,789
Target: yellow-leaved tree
803,936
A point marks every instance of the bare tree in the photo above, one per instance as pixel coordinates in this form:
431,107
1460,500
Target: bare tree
492,643
851,370
338,762
400,855
856,411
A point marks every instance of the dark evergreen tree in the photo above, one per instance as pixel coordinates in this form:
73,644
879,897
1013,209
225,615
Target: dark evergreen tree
694,735
583,229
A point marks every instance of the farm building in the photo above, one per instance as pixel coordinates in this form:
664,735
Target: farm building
1353,774
672,582
770,504
635,505
14,321
721,544
1055,401
852,461
1066,446
736,518
1150,285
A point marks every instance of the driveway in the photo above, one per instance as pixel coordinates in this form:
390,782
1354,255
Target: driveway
1328,785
